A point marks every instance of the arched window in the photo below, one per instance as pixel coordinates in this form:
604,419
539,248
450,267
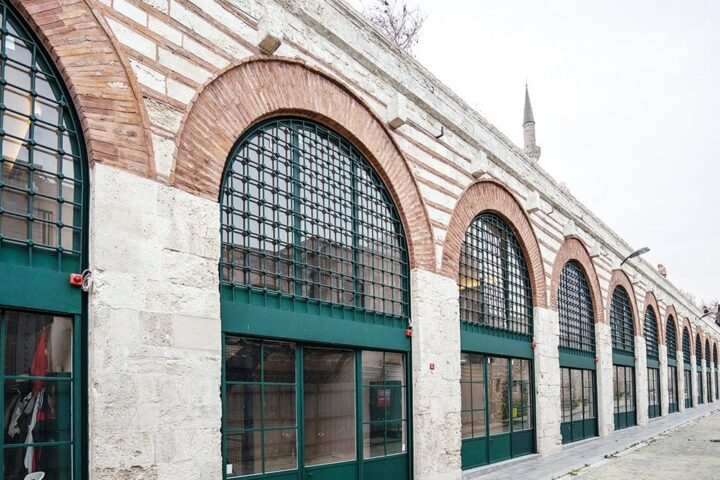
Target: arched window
494,281
42,240
671,337
575,309
42,162
686,345
651,333
305,217
708,352
698,350
621,321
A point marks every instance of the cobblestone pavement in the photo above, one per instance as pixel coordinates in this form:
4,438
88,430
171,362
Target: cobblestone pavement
689,452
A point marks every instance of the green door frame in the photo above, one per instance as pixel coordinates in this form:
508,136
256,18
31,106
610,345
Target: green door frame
579,360
673,406
478,451
394,466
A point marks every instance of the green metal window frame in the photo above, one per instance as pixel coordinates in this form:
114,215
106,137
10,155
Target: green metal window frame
307,225
688,387
43,168
579,425
700,389
717,373
673,400
654,401
486,447
624,407
686,346
651,334
621,322
494,280
575,309
671,338
389,465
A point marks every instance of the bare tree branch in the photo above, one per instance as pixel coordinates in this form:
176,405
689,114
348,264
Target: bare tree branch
398,21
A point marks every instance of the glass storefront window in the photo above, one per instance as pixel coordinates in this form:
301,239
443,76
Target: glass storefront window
577,394
384,407
672,389
37,383
260,406
497,395
688,391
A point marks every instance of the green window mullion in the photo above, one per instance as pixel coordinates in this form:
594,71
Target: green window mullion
62,443
262,405
3,332
359,424
297,210
300,405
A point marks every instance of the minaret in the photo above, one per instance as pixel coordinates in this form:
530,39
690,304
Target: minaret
531,148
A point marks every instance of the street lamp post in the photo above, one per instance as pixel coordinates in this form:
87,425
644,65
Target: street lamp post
634,254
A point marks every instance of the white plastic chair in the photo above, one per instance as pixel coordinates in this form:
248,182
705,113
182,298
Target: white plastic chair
35,476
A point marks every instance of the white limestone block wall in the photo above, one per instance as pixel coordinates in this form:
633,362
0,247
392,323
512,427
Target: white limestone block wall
605,385
641,381
547,381
154,361
436,376
664,381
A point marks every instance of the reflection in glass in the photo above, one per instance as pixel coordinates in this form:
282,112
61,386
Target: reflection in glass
498,391
37,409
329,399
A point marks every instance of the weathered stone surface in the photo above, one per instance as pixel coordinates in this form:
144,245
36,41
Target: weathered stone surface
154,366
605,376
547,381
436,390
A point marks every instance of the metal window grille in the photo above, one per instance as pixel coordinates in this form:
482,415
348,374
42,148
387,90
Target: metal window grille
671,337
575,309
41,186
494,282
621,321
715,355
686,345
651,333
708,353
698,350
304,215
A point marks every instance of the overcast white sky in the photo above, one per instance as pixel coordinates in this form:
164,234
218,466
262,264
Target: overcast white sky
626,96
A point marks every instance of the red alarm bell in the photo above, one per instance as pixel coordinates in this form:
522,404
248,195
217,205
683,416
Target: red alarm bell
76,279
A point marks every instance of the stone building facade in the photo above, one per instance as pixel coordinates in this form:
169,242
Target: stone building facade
195,354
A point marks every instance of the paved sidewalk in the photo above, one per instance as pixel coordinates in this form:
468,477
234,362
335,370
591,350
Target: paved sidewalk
577,456
691,452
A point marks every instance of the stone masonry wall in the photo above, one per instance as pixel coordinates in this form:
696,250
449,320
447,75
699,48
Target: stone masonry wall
154,332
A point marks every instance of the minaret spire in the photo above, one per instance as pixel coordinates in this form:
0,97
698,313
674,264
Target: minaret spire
531,148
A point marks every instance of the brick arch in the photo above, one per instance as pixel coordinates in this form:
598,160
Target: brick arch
261,88
574,249
620,278
491,196
651,301
103,89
